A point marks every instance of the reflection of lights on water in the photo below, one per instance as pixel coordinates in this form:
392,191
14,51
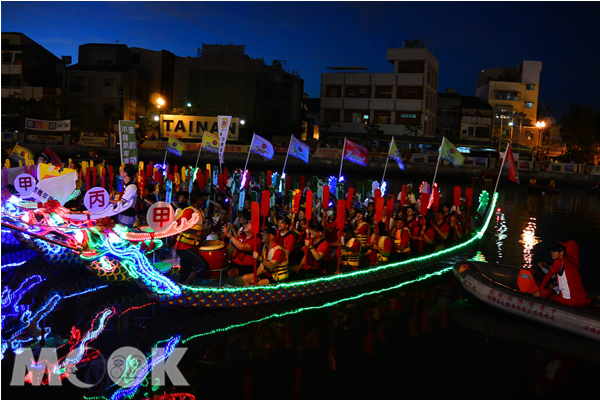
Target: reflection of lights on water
529,240
501,230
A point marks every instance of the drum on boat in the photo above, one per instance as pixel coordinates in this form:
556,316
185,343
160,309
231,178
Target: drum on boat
215,255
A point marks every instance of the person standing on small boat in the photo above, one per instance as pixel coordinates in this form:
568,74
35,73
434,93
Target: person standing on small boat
285,238
409,200
402,236
192,263
572,292
128,196
273,266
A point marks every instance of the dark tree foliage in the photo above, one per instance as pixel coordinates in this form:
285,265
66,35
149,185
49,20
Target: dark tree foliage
580,131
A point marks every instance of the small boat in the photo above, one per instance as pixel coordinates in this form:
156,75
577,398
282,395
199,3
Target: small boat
508,288
170,294
539,189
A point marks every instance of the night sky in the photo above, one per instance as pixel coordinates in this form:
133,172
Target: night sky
467,37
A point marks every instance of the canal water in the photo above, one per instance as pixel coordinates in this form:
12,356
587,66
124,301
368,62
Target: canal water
418,336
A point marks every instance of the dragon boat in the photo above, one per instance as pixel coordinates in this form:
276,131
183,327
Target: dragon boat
509,288
166,292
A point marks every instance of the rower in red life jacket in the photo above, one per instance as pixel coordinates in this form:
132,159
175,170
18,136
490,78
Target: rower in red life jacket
570,285
316,258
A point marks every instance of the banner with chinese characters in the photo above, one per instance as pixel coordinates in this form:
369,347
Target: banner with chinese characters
162,145
41,125
224,122
128,144
324,152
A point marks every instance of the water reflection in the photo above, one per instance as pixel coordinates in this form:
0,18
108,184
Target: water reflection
529,240
501,231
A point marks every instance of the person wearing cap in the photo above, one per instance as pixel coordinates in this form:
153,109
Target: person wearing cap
192,263
379,245
350,249
244,245
316,257
361,228
273,266
572,292
285,238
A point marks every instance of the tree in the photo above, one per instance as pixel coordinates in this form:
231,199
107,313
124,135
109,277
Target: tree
580,132
324,128
414,130
372,131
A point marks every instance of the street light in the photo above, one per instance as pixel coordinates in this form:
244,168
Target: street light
540,125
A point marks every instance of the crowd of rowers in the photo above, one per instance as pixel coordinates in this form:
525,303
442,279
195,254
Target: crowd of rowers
296,246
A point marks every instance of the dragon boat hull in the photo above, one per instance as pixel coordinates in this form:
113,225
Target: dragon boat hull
498,285
173,295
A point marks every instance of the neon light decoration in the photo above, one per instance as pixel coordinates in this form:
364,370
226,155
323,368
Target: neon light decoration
170,294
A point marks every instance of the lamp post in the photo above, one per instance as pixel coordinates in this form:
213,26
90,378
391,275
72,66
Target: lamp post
540,125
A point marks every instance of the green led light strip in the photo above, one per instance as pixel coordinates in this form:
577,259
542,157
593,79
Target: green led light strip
478,236
330,304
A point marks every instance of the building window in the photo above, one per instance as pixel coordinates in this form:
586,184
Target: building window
408,115
110,82
450,111
439,111
385,118
528,104
333,91
357,118
386,93
7,56
409,90
77,84
363,93
530,87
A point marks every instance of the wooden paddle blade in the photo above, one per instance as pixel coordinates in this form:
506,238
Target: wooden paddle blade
288,182
377,194
424,203
469,196
436,199
402,196
200,179
265,203
457,193
309,204
296,201
390,205
379,209
220,181
302,182
349,197
269,177
325,197
255,221
341,214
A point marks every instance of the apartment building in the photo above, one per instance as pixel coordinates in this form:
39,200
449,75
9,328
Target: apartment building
352,96
513,94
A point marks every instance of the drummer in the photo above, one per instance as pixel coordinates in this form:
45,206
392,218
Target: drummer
192,264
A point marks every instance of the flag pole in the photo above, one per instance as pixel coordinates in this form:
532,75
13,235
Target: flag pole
342,163
387,159
200,149
166,151
501,167
249,150
438,163
286,157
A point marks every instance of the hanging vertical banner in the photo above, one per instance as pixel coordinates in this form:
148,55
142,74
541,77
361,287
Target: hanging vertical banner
129,151
224,122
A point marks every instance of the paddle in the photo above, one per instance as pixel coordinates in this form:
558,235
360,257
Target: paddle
457,192
389,208
436,198
265,205
378,208
269,177
424,203
255,227
309,204
341,218
349,197
325,202
402,198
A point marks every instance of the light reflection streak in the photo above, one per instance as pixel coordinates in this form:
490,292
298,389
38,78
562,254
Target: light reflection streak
501,229
529,241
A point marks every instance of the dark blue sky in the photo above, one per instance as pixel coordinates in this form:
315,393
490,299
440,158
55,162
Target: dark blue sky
466,36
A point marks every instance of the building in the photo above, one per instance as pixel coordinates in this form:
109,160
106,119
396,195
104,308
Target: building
113,82
400,102
513,94
223,80
32,80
